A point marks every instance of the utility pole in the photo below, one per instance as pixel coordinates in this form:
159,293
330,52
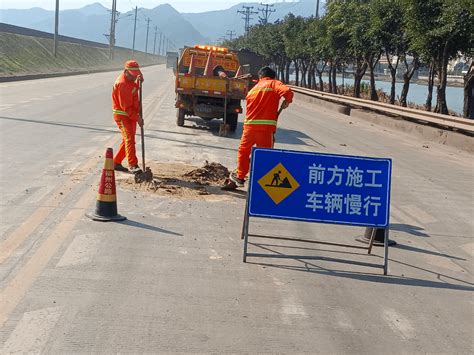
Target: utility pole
154,45
317,8
134,30
247,12
159,43
56,26
266,13
147,29
231,34
112,30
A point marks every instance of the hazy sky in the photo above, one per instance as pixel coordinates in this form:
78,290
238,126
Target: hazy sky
126,5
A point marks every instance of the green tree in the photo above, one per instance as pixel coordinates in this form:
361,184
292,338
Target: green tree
440,30
387,23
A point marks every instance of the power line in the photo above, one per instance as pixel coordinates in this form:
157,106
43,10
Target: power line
247,12
147,30
56,25
154,45
112,29
266,11
134,30
159,44
231,34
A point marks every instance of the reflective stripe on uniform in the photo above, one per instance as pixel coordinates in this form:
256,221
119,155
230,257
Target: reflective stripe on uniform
269,122
256,91
132,68
120,112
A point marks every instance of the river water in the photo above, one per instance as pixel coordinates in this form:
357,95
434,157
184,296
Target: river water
417,93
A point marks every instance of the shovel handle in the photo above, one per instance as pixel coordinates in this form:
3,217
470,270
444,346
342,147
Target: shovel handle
142,132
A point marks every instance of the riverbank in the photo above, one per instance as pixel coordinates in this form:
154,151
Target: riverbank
417,93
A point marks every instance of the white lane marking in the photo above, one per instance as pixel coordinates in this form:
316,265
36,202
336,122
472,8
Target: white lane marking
399,324
32,331
419,214
103,138
442,261
214,255
402,217
291,308
468,248
343,321
81,251
84,151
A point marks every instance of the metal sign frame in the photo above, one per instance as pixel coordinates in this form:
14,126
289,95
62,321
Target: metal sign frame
246,222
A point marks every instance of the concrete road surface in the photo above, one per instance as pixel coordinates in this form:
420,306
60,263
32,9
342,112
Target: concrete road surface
171,278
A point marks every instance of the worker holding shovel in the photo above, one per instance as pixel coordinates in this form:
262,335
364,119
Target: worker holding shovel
260,122
126,109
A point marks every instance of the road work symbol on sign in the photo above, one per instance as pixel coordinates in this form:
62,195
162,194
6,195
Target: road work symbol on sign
278,183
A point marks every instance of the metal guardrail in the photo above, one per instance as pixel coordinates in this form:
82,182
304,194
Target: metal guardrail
461,125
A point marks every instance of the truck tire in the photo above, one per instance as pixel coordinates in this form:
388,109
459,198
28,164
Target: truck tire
180,117
232,119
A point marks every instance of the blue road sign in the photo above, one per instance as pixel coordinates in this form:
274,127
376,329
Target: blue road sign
318,187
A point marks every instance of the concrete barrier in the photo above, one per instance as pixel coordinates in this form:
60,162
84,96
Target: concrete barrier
427,132
345,110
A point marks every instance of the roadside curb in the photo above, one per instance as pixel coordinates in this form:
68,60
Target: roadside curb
6,79
416,129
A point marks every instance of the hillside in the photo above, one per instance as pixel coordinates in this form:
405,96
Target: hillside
23,55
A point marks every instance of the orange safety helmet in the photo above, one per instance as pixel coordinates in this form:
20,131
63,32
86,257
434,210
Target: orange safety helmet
133,68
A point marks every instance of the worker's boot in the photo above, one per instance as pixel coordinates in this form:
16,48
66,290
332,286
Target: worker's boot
233,177
135,169
229,185
120,167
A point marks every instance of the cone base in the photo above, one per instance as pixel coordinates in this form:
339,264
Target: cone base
96,217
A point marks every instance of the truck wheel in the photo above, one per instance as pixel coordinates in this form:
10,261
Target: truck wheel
180,117
232,119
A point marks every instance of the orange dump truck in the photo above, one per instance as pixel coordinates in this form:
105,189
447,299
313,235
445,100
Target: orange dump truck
203,90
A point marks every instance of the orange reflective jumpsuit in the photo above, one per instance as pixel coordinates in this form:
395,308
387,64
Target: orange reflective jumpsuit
261,119
126,108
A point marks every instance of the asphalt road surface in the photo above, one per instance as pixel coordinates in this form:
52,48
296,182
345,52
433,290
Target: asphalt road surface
171,278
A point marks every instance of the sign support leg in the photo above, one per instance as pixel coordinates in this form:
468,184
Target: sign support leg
385,254
245,228
245,233
373,233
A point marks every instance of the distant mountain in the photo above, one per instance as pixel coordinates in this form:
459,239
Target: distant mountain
25,18
215,24
92,22
168,20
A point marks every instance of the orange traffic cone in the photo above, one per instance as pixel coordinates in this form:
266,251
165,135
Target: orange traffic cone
106,205
209,65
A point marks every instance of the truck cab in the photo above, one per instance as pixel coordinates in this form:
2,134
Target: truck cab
209,85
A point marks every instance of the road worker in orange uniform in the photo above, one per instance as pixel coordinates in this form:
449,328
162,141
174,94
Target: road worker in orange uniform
260,122
126,109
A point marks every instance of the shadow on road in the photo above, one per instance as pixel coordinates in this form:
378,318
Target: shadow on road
424,251
283,135
313,268
408,228
62,124
136,224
